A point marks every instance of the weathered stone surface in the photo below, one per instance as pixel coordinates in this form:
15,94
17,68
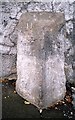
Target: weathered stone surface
39,7
13,51
40,58
7,63
10,13
10,27
4,49
13,37
5,41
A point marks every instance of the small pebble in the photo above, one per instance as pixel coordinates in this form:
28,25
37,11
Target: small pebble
5,97
6,83
71,113
69,117
14,91
26,102
65,104
40,110
63,111
65,115
56,108
57,103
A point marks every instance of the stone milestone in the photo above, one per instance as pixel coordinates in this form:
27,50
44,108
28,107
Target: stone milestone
40,58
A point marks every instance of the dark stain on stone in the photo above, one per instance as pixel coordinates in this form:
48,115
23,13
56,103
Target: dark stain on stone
48,44
4,23
1,33
47,49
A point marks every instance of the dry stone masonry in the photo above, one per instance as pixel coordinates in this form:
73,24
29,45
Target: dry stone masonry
10,13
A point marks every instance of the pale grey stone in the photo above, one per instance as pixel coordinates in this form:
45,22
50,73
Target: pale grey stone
69,72
71,51
69,27
14,11
39,7
73,65
10,27
13,37
67,45
58,6
19,15
7,62
35,0
64,6
4,49
6,41
13,51
68,11
40,58
5,19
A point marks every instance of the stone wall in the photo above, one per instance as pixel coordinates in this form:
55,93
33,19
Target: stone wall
10,13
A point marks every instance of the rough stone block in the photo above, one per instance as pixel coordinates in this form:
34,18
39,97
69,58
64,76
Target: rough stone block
40,58
4,49
7,62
